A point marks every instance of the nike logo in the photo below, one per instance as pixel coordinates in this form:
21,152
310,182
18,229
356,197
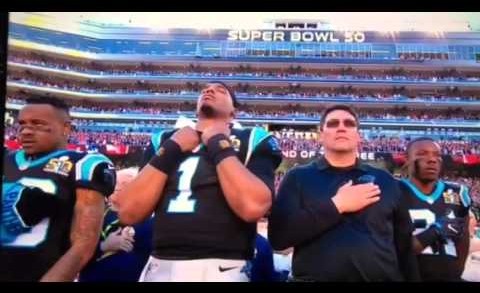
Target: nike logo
222,269
451,228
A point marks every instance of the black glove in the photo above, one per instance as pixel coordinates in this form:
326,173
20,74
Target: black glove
443,229
450,228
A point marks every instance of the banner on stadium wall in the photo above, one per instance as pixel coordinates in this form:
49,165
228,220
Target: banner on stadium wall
12,144
294,154
467,159
398,159
76,147
116,150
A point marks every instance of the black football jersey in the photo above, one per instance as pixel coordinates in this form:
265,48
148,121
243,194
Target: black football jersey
193,219
28,252
440,261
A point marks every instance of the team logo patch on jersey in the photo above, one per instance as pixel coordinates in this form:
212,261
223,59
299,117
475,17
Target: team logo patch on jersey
61,166
451,197
235,142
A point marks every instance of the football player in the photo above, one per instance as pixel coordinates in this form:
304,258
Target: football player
439,211
52,198
208,184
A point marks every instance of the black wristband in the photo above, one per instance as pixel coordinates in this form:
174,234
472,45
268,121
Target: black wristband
219,147
167,157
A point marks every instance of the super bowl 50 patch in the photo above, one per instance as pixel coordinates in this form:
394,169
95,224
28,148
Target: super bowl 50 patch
451,197
61,166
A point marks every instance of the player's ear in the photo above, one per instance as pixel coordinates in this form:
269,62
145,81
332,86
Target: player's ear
404,169
320,134
67,128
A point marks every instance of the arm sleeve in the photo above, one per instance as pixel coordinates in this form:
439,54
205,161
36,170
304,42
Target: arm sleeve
291,222
403,229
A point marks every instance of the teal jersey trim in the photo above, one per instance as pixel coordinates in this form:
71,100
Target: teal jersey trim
257,135
85,167
422,196
23,163
157,140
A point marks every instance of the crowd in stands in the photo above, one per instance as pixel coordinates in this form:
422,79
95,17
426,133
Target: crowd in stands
97,139
472,183
151,70
297,141
244,91
252,111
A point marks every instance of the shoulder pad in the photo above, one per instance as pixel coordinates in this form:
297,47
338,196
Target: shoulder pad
156,140
257,135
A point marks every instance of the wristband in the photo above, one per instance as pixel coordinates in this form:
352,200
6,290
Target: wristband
167,157
219,147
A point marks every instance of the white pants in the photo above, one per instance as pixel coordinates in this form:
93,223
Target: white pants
196,270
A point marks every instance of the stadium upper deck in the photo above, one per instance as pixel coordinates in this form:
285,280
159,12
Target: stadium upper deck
263,45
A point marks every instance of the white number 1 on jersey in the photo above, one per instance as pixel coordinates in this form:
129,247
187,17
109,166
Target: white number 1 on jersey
182,203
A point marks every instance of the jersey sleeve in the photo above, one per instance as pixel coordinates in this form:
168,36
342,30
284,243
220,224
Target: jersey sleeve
263,156
155,143
95,171
148,153
465,196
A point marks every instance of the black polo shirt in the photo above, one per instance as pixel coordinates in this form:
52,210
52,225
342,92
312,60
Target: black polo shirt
373,244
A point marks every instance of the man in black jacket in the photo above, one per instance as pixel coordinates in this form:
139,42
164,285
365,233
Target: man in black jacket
346,220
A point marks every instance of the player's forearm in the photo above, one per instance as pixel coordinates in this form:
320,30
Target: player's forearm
247,195
85,233
70,264
138,199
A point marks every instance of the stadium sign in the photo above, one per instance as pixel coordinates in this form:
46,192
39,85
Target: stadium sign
297,36
293,154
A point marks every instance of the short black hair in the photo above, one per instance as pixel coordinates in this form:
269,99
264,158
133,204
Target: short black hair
230,91
335,108
52,101
412,142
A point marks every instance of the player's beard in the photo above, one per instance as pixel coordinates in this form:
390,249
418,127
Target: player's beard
208,111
